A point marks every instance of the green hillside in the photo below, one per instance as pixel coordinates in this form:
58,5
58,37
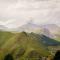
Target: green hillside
22,46
4,36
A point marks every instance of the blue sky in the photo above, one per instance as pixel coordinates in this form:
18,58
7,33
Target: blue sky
14,13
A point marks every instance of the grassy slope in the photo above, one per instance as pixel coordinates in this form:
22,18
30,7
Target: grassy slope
57,39
4,36
12,43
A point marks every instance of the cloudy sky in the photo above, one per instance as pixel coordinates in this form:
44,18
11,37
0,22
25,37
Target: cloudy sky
14,13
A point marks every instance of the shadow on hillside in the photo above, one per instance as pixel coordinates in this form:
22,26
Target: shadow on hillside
8,57
49,41
57,55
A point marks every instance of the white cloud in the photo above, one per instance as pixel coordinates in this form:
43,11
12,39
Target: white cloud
14,13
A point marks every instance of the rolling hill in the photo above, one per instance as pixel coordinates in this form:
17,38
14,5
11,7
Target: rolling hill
20,45
24,45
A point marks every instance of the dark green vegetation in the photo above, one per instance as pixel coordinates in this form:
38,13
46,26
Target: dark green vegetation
8,57
23,46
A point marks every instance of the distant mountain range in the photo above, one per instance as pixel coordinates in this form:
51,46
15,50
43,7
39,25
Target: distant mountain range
53,28
30,27
50,30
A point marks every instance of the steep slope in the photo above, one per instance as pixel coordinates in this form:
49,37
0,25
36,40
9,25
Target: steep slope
45,40
20,45
49,41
